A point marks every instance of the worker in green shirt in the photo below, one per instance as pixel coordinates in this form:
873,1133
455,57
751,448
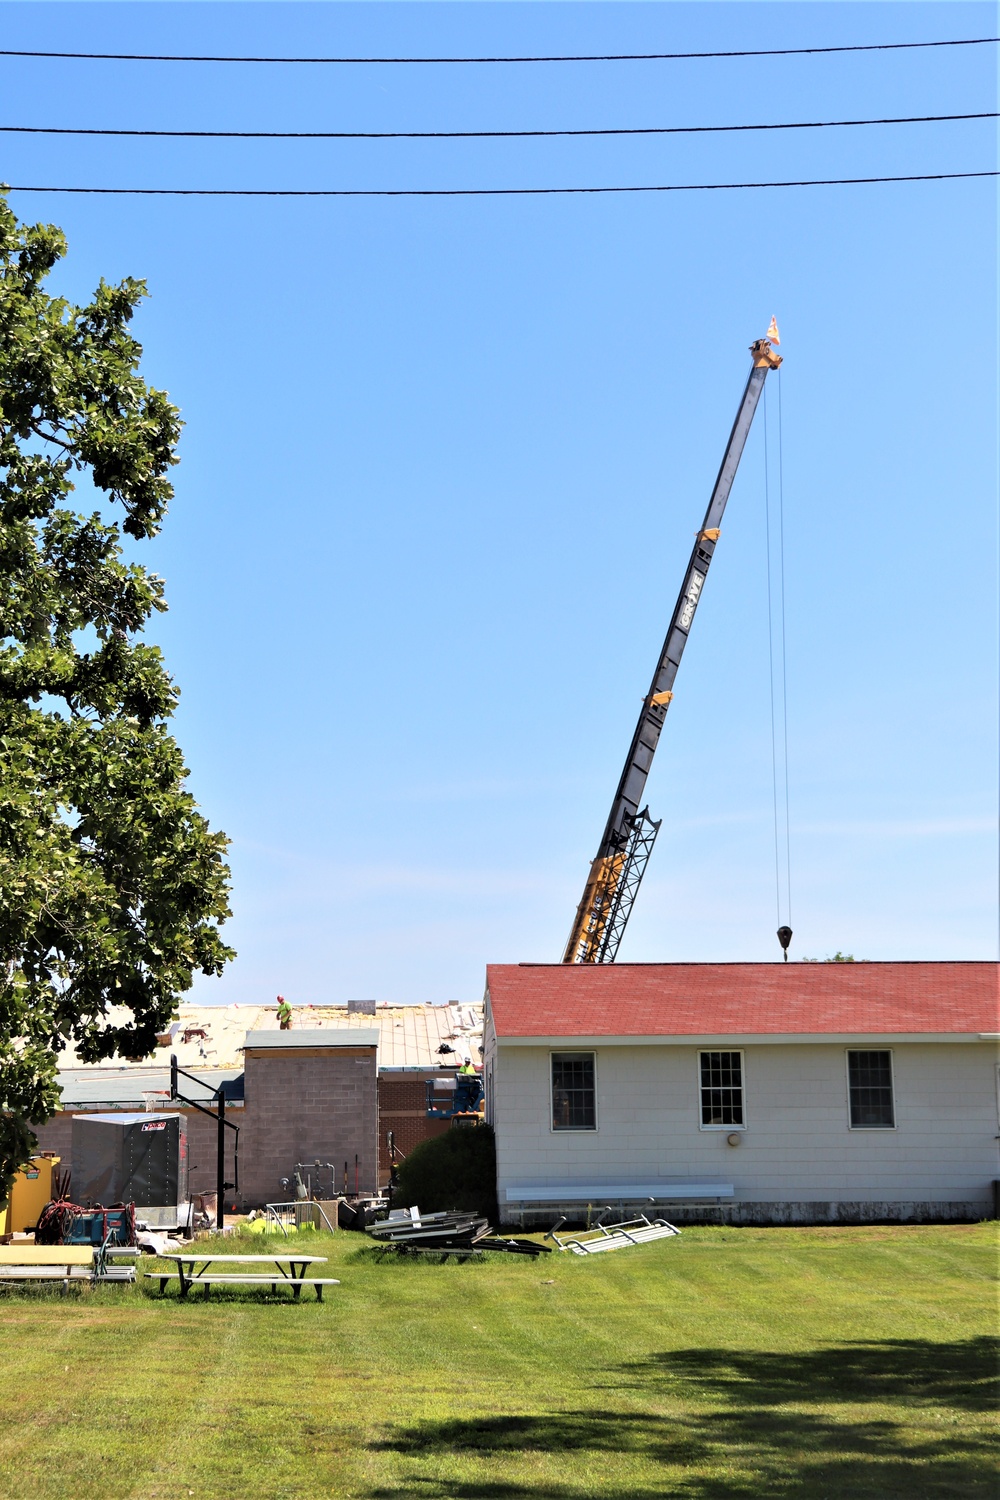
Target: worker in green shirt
284,1013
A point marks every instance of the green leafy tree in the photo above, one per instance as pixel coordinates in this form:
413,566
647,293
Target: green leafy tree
112,885
457,1169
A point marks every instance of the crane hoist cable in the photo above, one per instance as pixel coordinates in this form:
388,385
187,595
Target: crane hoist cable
629,834
784,654
776,627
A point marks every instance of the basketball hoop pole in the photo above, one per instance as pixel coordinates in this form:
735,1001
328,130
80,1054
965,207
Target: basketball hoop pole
218,1114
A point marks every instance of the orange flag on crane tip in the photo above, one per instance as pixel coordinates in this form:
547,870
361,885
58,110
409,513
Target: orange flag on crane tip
772,332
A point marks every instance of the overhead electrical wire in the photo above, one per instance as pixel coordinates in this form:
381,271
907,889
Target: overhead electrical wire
463,135
971,41
515,192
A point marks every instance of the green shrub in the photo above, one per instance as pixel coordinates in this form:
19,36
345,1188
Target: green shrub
454,1170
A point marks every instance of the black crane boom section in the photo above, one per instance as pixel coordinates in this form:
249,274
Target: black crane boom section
625,847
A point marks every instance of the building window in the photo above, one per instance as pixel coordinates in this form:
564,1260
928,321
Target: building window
722,1089
574,1104
869,1079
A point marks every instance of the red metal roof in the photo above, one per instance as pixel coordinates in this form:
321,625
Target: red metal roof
742,999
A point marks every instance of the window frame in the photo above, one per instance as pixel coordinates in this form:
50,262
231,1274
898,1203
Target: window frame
700,1052
555,1129
892,1086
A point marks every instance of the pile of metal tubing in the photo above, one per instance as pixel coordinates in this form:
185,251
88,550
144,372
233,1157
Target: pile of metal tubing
458,1234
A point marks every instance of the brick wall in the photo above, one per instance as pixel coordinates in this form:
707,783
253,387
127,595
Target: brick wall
402,1108
304,1104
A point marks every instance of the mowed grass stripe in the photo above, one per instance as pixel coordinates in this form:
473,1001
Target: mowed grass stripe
793,1363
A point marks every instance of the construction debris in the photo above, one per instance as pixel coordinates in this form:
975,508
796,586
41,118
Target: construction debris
613,1236
462,1235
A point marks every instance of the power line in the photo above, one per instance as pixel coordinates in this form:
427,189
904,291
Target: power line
673,187
463,135
974,41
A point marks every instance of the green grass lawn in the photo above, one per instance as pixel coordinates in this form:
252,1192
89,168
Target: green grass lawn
812,1364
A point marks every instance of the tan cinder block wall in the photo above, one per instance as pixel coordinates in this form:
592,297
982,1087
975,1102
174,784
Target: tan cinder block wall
303,1104
57,1135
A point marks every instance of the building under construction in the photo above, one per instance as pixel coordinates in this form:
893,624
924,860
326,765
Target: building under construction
320,1097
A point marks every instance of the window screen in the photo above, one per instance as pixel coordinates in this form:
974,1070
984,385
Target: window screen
722,1088
869,1077
573,1106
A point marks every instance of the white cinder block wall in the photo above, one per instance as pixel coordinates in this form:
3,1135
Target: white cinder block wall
797,1158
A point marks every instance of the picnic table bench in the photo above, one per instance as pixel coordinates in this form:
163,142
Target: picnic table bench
188,1273
63,1263
66,1263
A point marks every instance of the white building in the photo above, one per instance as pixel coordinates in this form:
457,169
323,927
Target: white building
780,1092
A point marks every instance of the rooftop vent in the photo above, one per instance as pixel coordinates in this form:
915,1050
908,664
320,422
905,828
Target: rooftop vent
361,1007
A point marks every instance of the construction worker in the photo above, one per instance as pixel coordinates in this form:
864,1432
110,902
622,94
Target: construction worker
467,1066
284,1014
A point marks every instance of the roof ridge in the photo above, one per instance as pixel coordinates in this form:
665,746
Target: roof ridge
739,963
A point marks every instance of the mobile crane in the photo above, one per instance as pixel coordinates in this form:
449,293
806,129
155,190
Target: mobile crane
629,834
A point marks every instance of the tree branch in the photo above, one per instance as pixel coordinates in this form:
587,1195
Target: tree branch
49,437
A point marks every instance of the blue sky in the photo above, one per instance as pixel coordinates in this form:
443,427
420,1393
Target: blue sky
444,459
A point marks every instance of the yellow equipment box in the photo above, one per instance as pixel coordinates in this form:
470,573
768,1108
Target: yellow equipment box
31,1191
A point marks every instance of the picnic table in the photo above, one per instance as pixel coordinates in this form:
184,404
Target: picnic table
194,1268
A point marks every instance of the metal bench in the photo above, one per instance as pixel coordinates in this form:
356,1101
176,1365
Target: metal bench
68,1272
614,1236
615,1192
107,1263
207,1280
533,1197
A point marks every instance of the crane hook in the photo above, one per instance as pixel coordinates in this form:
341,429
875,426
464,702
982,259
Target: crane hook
784,938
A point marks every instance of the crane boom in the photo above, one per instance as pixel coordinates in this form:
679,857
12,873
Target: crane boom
629,835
